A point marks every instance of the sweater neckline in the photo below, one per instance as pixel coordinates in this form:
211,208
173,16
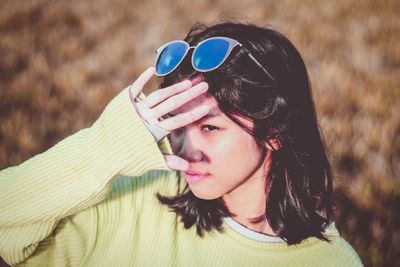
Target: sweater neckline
246,242
251,234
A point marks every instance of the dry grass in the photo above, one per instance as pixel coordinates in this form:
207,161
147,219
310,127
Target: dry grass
61,62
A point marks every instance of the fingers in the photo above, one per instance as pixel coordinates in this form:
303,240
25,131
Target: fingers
140,82
166,100
184,119
176,163
175,102
160,95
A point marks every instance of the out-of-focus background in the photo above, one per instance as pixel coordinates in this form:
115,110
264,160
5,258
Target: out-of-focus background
62,61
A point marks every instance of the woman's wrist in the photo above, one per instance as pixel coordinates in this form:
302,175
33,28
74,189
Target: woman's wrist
157,132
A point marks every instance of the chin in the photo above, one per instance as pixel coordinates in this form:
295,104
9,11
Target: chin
203,194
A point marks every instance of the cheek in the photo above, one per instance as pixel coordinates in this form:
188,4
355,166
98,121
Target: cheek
232,160
173,140
236,152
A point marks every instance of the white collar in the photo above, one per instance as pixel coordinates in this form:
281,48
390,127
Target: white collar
240,229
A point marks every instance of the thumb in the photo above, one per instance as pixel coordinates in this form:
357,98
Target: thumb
176,163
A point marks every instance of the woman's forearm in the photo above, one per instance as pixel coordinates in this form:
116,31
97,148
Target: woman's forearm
74,174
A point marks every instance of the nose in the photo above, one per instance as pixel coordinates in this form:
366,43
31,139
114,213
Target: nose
187,147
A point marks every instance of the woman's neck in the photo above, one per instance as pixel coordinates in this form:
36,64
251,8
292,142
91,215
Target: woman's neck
250,213
247,202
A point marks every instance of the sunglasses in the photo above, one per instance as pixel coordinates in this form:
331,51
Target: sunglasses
208,55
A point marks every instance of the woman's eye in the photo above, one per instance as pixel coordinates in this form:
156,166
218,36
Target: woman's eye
209,128
177,131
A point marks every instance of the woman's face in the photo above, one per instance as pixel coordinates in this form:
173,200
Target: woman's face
223,157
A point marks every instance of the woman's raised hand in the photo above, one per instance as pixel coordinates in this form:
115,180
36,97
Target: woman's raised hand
163,101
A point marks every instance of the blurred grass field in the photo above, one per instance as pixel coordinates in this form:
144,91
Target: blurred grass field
62,61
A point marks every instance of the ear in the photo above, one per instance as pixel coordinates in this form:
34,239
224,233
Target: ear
273,144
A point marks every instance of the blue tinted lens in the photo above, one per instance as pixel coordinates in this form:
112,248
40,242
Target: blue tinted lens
170,58
210,54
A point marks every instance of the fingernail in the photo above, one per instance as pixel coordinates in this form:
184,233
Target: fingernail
197,79
203,86
186,83
151,69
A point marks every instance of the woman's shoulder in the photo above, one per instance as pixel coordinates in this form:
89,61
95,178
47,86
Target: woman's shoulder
338,252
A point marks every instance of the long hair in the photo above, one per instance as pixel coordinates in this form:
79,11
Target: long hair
280,104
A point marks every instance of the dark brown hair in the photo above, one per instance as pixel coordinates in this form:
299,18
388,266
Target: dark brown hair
299,185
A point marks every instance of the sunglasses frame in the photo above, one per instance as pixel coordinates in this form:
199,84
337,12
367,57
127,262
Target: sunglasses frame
232,44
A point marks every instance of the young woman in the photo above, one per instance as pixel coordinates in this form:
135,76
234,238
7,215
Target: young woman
242,181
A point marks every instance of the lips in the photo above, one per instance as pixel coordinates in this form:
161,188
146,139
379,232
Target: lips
193,176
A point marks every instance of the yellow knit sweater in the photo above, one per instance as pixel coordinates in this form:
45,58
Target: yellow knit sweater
90,201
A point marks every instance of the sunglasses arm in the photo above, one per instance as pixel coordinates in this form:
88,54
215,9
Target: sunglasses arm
259,64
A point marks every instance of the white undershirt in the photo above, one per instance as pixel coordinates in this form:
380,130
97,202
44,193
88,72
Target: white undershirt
240,229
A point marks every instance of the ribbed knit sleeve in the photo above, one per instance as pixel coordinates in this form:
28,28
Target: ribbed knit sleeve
74,174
